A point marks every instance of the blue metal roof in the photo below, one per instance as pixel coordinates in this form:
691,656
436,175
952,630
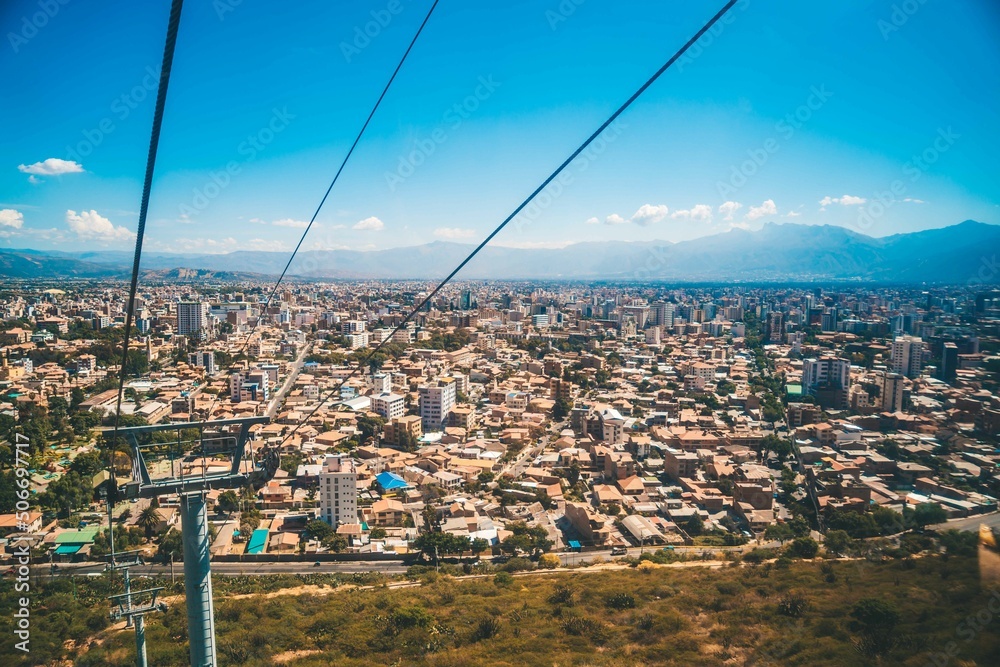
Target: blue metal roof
389,481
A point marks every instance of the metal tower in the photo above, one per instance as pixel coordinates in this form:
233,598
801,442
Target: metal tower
202,456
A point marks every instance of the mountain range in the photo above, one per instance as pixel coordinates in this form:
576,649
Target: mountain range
776,252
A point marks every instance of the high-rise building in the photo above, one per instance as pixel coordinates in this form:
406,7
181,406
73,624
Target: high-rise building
949,362
908,354
338,491
389,405
381,383
892,392
204,359
775,327
192,318
436,402
829,380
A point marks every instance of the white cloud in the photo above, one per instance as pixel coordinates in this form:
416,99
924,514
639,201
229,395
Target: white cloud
649,214
792,214
51,167
10,217
91,225
454,233
727,209
288,222
258,221
593,221
914,201
697,212
615,219
766,208
34,180
846,200
370,224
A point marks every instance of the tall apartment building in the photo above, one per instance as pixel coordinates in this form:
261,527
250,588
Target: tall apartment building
253,385
892,392
828,379
381,383
775,327
436,401
205,359
338,491
192,318
908,353
389,405
949,362
826,370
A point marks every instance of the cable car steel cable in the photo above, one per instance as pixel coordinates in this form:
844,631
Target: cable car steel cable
614,116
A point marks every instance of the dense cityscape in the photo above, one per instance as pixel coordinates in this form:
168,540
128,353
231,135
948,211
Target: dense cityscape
539,425
547,333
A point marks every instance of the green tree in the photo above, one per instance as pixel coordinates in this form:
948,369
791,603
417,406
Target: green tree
927,514
529,539
171,545
370,426
148,520
318,530
561,409
779,531
695,525
228,502
334,542
837,542
803,547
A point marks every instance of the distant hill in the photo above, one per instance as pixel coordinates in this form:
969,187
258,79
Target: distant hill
774,253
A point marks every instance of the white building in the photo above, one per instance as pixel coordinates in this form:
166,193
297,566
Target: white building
827,371
381,383
436,403
389,405
892,392
348,327
908,354
338,491
357,341
204,360
192,318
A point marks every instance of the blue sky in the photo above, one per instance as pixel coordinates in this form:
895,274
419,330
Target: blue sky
790,112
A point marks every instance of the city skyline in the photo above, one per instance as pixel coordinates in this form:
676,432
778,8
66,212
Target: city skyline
762,121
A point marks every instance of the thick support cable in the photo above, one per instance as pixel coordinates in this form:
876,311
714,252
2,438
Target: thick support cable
154,141
336,176
612,118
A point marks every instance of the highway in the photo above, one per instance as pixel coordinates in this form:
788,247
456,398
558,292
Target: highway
294,369
970,523
232,569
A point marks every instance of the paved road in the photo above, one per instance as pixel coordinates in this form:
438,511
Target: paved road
971,523
234,569
294,369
